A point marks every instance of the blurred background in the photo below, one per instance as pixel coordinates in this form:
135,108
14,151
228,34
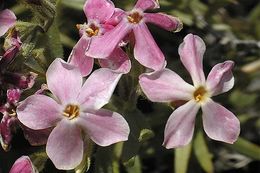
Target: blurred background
231,31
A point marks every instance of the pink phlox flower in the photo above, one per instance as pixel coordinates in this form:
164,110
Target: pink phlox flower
102,16
7,20
146,50
167,86
75,112
23,165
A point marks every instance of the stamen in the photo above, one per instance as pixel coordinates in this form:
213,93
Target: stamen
200,94
92,30
134,17
71,111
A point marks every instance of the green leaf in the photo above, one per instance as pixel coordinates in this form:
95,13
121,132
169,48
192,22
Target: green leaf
39,159
202,153
104,160
247,148
139,133
44,11
145,134
136,168
181,160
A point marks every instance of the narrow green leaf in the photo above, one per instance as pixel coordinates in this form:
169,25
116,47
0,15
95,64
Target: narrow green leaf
247,148
181,160
202,153
39,159
104,160
139,132
145,134
136,168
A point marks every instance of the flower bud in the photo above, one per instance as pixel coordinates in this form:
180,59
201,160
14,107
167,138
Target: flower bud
23,165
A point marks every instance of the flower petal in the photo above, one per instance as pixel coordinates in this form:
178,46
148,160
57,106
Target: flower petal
65,145
146,51
23,165
180,126
116,17
117,61
104,127
98,88
79,59
147,4
219,123
165,21
220,78
7,20
100,10
191,52
165,86
103,46
64,80
39,112
36,137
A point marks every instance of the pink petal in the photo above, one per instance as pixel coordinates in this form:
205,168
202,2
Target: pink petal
98,89
64,80
165,86
36,137
191,52
104,127
116,17
23,165
7,20
39,112
65,145
147,4
103,46
180,126
8,125
117,61
146,50
100,10
79,59
165,21
219,123
220,78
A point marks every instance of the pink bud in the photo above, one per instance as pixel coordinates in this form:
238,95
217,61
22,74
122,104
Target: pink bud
23,165
13,95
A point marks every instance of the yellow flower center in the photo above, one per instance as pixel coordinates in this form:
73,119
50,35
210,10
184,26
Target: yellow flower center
71,111
134,17
91,30
200,94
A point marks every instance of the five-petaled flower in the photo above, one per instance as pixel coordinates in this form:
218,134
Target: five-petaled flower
146,50
166,86
102,16
75,112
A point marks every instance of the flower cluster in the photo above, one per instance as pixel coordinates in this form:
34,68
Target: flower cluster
72,112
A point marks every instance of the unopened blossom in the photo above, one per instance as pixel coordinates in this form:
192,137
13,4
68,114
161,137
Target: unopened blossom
101,16
7,20
146,50
9,123
12,46
167,86
75,112
23,165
